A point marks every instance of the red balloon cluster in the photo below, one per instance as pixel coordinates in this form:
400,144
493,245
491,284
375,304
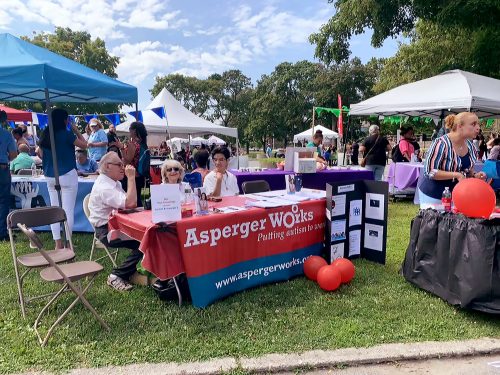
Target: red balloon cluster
329,277
474,198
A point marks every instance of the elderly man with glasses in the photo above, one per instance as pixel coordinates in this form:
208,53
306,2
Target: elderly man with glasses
107,195
220,182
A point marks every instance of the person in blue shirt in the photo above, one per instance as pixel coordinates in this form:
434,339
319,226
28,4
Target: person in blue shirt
84,165
316,142
98,140
7,153
65,142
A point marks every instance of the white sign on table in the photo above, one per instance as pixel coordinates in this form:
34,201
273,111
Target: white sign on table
165,203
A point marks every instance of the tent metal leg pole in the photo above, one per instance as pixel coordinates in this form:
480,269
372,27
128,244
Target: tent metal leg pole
237,153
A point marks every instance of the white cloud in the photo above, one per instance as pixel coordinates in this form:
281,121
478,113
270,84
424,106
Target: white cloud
101,18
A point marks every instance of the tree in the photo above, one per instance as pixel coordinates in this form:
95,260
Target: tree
390,18
221,98
283,101
190,91
78,46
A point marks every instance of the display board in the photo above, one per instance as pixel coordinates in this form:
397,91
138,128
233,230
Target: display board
356,220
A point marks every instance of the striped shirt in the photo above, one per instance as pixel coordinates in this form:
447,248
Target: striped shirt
441,156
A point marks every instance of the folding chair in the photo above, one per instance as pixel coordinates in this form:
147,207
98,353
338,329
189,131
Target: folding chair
65,274
96,243
257,186
35,217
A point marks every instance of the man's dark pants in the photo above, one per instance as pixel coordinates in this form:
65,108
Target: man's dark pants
129,266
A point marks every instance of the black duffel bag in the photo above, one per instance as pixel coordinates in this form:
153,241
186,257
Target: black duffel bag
167,290
455,258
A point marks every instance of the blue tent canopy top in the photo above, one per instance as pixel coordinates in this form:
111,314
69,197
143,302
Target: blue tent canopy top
27,70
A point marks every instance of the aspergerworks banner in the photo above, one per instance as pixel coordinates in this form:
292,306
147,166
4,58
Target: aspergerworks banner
227,253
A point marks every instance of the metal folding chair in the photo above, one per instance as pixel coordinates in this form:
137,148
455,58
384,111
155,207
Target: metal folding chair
35,217
96,243
65,274
257,186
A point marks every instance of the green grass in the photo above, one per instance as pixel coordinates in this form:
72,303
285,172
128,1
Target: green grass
378,307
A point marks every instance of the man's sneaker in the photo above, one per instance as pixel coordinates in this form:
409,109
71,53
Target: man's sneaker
118,283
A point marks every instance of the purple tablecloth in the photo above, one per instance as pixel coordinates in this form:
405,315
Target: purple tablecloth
318,180
404,175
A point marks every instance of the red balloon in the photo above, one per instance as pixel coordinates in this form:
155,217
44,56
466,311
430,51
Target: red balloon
312,266
329,278
474,198
346,268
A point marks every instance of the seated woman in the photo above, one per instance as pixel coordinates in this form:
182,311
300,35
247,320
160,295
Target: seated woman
317,141
172,172
450,158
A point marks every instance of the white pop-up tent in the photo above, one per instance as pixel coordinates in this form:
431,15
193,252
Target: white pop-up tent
307,135
178,121
198,141
452,91
213,139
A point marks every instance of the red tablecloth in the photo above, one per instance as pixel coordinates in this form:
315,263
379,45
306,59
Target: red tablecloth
225,253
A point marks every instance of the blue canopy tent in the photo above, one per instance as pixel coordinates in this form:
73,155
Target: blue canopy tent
34,74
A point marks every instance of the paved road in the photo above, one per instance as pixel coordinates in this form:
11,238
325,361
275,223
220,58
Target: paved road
483,365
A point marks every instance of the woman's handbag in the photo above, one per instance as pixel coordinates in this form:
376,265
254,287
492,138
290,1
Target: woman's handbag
363,161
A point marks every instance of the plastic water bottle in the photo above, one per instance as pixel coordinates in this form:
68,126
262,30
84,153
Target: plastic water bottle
33,170
446,199
188,195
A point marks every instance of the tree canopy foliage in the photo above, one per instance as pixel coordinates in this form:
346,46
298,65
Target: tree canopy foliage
221,98
390,18
78,46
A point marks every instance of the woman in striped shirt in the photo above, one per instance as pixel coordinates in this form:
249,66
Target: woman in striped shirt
450,158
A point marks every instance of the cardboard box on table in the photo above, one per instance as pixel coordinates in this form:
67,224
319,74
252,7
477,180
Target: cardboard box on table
304,162
356,220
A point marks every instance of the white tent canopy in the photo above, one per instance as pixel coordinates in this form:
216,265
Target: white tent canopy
198,141
179,120
306,135
213,139
450,92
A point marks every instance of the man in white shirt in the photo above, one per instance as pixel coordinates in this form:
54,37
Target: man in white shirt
220,182
107,195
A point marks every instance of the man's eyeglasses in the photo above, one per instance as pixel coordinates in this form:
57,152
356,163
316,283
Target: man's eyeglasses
118,164
175,169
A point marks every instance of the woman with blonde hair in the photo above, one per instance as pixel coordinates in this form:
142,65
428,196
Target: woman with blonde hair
97,141
450,158
172,172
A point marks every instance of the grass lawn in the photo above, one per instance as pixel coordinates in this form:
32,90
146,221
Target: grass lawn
378,307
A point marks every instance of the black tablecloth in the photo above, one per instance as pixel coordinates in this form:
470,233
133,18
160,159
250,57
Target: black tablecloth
455,258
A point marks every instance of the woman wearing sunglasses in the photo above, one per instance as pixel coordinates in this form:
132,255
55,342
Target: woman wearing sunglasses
172,172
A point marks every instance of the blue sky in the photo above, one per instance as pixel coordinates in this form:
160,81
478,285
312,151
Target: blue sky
192,37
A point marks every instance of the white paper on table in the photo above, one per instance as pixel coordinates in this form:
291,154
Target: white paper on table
338,230
336,251
355,212
256,197
264,204
229,209
273,193
375,206
294,197
165,203
355,242
338,205
282,201
374,235
312,193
